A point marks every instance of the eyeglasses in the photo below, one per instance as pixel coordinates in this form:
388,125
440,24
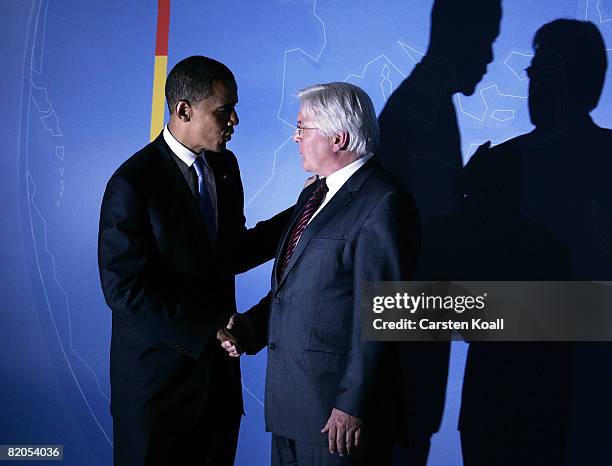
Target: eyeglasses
299,130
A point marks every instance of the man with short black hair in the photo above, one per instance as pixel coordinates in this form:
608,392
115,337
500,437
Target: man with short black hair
172,236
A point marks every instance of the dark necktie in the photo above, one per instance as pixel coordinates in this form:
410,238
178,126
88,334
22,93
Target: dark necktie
314,202
206,207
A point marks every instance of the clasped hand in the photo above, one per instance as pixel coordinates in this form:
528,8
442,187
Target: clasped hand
237,336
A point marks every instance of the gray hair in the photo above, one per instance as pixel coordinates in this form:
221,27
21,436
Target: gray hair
343,107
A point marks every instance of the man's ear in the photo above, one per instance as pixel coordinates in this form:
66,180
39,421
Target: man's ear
340,141
183,110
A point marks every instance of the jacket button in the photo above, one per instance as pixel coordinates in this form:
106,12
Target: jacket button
272,346
276,300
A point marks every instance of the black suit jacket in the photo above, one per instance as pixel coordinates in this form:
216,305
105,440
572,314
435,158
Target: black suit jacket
316,360
168,287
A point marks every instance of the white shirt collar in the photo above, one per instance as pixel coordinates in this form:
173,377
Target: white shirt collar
339,177
186,155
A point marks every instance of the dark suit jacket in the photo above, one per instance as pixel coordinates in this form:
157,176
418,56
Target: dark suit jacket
167,286
316,359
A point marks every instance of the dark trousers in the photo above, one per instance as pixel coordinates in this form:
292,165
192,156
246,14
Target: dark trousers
287,452
209,443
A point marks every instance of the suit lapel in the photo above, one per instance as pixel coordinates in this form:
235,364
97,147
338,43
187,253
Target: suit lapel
336,205
180,193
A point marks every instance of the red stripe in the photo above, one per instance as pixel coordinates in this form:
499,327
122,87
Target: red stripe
292,246
163,27
299,228
309,209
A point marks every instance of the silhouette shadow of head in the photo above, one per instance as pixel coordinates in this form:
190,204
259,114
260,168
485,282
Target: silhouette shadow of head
462,34
567,73
555,176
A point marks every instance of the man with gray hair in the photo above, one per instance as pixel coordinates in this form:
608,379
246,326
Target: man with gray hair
327,391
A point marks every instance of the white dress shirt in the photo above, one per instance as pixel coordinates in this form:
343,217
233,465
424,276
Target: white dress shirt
188,157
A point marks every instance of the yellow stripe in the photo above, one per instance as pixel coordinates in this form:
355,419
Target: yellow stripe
158,105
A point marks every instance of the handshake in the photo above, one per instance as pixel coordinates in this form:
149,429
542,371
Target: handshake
238,336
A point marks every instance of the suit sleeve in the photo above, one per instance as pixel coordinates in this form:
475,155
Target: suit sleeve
258,244
138,286
386,249
250,247
259,316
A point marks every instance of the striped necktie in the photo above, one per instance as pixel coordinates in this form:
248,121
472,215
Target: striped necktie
314,202
206,207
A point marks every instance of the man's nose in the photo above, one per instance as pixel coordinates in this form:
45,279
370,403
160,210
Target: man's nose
296,138
234,120
489,54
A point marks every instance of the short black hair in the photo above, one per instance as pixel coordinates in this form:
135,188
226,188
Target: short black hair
192,80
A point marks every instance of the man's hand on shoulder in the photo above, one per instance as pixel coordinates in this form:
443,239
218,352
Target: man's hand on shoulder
344,432
310,180
237,336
